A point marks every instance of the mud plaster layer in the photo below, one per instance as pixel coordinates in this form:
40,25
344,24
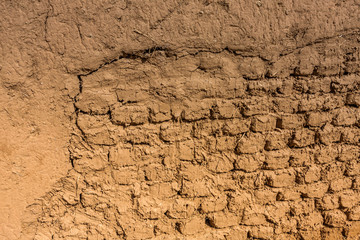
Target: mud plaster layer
212,146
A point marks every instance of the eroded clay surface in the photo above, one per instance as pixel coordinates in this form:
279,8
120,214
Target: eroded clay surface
179,119
210,146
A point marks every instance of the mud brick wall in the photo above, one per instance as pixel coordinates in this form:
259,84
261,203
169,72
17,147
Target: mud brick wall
212,145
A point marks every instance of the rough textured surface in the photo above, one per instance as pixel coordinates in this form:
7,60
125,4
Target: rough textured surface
180,120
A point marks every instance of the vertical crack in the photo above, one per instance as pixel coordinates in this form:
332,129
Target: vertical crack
71,157
48,15
80,84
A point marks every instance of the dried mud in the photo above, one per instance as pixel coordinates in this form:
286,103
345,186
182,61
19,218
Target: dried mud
180,120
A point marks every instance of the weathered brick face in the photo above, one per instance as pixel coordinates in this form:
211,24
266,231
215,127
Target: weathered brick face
161,152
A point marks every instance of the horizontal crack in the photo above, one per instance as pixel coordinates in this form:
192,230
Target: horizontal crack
141,54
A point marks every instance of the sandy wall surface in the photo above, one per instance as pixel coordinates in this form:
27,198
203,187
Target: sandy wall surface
179,120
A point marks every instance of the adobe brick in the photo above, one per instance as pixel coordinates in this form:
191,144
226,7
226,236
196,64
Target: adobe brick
223,219
279,179
236,126
353,99
302,138
277,140
262,123
344,117
317,119
293,121
129,114
249,162
277,159
253,143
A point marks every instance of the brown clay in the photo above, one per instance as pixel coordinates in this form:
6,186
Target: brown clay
180,120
